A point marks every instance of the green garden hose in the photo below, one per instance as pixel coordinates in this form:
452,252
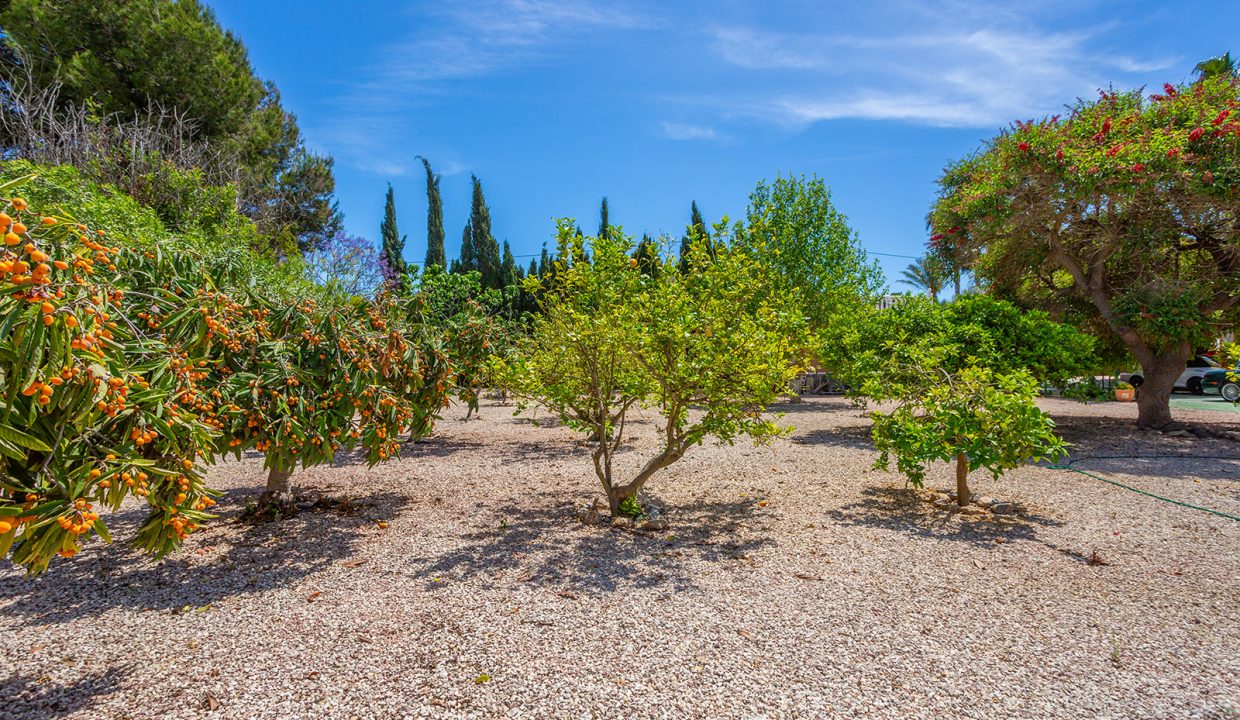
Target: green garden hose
1068,466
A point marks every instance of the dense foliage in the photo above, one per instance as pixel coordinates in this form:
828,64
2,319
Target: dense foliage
130,59
1124,210
976,417
128,363
708,350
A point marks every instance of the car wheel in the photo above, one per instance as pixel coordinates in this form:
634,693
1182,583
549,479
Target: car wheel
1136,380
1230,391
1194,386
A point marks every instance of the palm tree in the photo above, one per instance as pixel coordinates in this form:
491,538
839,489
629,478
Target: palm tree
928,274
1216,66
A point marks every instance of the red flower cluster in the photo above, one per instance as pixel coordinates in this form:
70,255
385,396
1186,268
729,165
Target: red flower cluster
1196,134
1024,147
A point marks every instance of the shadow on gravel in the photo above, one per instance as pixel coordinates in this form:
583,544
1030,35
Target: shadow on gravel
28,696
817,404
854,437
549,547
1111,445
251,558
895,508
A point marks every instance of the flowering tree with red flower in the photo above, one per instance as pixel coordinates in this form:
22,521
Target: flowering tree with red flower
1126,210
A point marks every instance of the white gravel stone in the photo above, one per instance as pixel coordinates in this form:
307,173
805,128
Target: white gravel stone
792,582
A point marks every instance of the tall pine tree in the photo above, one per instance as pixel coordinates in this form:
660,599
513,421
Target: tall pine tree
434,220
485,247
393,251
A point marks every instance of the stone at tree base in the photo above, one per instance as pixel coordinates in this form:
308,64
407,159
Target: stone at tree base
1003,508
973,510
621,521
655,524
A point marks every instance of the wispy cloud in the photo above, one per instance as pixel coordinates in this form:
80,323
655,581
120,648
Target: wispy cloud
454,42
984,70
472,38
684,131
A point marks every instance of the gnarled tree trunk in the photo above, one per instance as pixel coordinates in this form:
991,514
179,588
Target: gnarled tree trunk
1159,373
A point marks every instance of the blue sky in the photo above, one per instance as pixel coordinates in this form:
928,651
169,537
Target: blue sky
556,103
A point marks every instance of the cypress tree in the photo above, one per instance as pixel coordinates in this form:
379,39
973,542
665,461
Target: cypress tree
485,247
604,227
544,262
647,256
469,254
393,251
434,220
533,271
695,231
509,272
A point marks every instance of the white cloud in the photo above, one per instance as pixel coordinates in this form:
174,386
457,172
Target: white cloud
683,131
975,68
474,38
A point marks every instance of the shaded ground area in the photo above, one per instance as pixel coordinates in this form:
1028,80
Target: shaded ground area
794,582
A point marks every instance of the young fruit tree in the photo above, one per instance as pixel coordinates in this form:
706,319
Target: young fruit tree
976,417
964,375
1128,203
707,350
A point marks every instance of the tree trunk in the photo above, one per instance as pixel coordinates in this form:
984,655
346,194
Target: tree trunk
1154,396
963,496
279,490
617,495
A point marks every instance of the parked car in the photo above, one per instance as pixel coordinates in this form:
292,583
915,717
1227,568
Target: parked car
1189,380
1222,382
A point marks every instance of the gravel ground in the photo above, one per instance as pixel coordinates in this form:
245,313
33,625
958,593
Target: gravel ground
794,582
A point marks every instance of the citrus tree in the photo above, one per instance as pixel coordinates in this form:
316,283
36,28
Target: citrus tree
965,376
1125,207
977,418
707,350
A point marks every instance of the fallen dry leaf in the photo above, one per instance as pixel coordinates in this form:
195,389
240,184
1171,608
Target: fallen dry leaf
313,595
354,563
210,702
805,576
567,594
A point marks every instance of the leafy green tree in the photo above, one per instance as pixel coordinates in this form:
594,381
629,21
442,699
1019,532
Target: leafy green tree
965,375
1125,208
127,56
484,244
706,350
927,275
647,256
977,418
392,252
468,316
695,232
793,228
